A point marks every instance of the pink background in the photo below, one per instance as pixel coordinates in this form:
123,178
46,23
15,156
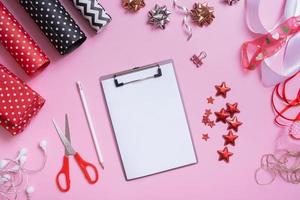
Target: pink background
128,42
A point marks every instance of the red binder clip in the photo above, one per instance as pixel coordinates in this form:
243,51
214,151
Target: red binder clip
197,60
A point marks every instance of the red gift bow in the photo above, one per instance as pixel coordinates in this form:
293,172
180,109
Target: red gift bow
18,102
19,43
270,43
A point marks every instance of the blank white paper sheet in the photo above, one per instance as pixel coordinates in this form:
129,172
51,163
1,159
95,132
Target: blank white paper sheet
149,121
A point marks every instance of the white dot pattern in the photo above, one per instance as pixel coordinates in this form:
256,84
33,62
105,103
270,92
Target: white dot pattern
18,102
19,43
56,24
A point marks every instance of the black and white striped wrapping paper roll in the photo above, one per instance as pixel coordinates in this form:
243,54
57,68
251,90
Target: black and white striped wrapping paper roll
94,13
56,24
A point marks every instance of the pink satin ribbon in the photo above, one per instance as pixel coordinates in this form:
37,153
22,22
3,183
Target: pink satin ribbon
269,44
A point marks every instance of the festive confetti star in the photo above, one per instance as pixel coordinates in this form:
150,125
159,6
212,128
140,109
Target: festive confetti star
133,5
230,138
211,124
159,16
202,14
210,100
224,154
234,124
208,112
205,120
222,90
222,115
205,136
232,109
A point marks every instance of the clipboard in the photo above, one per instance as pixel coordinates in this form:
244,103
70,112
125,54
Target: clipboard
149,119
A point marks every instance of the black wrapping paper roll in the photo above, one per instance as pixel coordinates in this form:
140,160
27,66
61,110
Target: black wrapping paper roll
56,23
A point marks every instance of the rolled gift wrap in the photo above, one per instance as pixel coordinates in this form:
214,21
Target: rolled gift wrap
19,43
94,13
56,24
18,102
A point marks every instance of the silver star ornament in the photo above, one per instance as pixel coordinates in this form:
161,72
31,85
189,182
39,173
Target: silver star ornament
159,16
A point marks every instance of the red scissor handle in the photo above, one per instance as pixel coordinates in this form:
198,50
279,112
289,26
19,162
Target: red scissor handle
66,174
84,168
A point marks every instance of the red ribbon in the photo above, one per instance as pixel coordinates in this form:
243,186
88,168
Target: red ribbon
270,43
290,103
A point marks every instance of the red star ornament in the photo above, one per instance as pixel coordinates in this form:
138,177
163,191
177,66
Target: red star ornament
230,138
210,100
205,120
205,137
224,155
208,112
232,109
211,124
234,124
222,90
222,116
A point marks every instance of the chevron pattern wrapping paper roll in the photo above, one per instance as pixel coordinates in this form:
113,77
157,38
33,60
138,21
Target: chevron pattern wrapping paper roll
94,13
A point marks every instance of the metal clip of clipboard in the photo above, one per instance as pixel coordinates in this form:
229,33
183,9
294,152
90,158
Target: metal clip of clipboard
119,84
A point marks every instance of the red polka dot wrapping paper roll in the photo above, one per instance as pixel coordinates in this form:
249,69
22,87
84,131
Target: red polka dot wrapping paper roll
56,23
18,102
19,43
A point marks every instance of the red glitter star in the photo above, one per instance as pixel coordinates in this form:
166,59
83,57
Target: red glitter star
205,120
222,90
230,138
222,115
232,109
210,100
205,136
234,124
211,124
208,112
224,154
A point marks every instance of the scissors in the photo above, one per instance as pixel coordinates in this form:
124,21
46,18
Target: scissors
69,151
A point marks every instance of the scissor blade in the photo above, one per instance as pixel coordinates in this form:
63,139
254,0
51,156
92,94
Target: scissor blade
67,131
68,147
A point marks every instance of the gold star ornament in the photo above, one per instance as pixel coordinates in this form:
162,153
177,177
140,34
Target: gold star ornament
202,14
133,5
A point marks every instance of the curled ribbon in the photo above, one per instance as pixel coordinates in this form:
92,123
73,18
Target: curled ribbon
185,24
285,37
284,163
280,92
